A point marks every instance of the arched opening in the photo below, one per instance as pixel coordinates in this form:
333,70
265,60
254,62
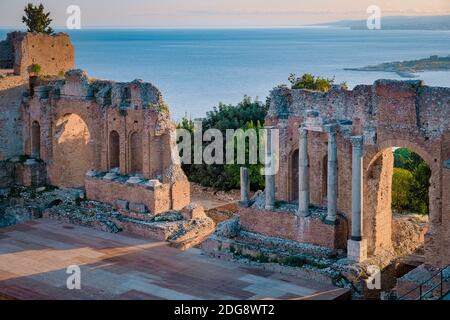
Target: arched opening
36,140
396,202
114,150
294,176
135,153
410,201
72,152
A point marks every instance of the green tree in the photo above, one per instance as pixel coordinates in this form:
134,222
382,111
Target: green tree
417,190
36,19
402,183
401,158
245,115
233,171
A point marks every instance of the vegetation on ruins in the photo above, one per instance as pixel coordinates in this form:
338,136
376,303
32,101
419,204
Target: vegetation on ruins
410,183
35,69
36,19
248,114
311,82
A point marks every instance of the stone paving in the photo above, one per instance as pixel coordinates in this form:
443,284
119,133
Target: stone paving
34,258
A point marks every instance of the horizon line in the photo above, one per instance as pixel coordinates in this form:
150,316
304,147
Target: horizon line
328,24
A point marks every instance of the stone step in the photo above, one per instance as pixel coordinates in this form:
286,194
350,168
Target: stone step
303,266
285,246
260,253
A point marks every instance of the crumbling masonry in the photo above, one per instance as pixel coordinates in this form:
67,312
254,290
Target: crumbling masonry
336,153
116,140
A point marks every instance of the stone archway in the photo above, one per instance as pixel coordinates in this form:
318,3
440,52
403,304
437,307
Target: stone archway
377,186
73,151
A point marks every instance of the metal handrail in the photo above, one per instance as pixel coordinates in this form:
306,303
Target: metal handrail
422,295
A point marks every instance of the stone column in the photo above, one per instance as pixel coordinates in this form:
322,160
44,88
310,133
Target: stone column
332,175
357,247
269,175
245,188
303,173
357,144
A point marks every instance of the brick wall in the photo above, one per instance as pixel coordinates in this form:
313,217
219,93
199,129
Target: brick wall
157,201
160,199
12,89
388,114
55,54
289,226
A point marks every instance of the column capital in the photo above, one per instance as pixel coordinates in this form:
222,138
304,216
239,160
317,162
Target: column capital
303,132
357,141
331,128
312,113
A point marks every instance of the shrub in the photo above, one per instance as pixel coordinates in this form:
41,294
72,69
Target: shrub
310,82
35,69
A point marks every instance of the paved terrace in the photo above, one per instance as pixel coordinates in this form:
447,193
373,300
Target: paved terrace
34,258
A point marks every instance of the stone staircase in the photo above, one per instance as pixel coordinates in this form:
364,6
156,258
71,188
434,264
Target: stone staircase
275,254
284,246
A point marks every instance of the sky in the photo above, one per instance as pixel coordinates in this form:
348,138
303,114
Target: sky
218,13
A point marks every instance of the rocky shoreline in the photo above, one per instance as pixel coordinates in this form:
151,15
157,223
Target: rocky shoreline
409,69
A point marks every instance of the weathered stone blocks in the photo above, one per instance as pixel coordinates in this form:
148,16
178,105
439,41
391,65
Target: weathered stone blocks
387,114
193,212
121,204
357,250
138,207
137,196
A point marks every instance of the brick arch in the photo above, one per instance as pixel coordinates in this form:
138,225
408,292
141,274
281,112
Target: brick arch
378,194
73,149
414,147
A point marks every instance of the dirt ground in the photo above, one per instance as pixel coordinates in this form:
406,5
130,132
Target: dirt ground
211,198
219,205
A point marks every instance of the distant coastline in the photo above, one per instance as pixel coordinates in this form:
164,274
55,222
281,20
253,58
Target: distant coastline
399,23
408,69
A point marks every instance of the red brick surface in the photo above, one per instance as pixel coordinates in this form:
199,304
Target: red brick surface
292,227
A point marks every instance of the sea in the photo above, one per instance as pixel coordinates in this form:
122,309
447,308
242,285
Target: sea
195,69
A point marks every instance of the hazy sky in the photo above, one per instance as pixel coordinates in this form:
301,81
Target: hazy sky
198,13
